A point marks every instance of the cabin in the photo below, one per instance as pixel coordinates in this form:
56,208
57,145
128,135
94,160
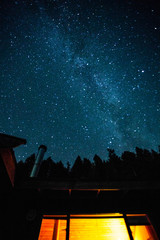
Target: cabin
71,210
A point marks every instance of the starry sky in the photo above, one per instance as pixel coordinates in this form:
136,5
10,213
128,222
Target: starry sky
80,76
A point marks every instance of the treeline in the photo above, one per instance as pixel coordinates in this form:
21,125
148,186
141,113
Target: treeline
141,165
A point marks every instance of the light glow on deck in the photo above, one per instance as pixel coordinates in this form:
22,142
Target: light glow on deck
95,227
98,229
143,233
52,229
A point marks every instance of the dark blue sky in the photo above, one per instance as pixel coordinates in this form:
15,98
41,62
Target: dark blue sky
80,76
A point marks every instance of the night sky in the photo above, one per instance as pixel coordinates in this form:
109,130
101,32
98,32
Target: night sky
80,76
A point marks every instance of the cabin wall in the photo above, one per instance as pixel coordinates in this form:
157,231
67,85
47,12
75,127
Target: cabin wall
7,166
30,206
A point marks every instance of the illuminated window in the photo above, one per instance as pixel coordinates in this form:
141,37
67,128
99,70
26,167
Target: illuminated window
97,227
141,227
143,233
53,229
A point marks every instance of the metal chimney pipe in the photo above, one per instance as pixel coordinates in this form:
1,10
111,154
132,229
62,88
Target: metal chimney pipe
41,151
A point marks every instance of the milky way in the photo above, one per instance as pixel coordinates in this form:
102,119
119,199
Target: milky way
80,76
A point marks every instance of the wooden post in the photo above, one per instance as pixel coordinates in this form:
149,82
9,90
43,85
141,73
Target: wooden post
128,228
56,230
68,225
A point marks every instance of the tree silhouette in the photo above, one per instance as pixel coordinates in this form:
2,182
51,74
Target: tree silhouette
115,164
156,164
77,169
47,169
20,171
29,164
68,167
61,171
23,169
98,167
141,165
87,169
128,165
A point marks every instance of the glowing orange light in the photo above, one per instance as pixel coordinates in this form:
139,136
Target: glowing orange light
52,229
98,229
143,233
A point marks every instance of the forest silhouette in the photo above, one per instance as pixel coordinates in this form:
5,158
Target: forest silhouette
139,166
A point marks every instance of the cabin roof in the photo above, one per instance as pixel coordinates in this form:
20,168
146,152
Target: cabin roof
8,141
